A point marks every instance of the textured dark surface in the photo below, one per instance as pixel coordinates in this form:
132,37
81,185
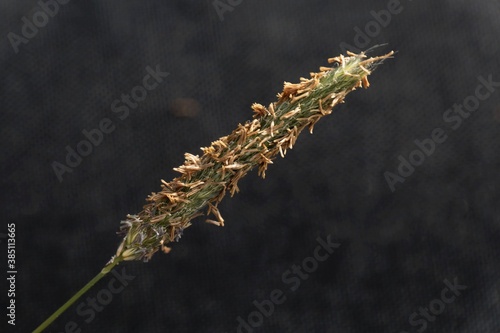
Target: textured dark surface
396,248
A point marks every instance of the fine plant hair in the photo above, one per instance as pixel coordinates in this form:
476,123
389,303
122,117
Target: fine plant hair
205,180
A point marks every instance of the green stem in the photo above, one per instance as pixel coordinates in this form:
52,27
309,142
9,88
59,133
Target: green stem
76,296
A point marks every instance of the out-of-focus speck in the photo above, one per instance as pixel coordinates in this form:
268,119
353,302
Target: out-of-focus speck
496,113
184,107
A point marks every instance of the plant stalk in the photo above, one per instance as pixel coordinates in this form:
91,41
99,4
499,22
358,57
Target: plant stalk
79,294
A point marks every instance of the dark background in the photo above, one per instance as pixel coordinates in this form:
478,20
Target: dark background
396,249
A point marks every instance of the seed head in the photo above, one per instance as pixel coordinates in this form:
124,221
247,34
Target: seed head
204,180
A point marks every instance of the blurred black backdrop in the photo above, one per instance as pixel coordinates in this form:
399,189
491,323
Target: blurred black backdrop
397,248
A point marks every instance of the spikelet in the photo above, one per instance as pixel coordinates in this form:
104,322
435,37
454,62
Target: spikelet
204,180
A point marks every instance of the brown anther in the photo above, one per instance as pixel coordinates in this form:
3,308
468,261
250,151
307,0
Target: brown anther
365,70
365,82
335,59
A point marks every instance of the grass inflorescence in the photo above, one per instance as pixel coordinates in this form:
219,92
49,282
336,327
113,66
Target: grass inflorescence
205,179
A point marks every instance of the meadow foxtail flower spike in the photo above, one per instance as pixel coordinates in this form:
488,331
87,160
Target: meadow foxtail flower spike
204,180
